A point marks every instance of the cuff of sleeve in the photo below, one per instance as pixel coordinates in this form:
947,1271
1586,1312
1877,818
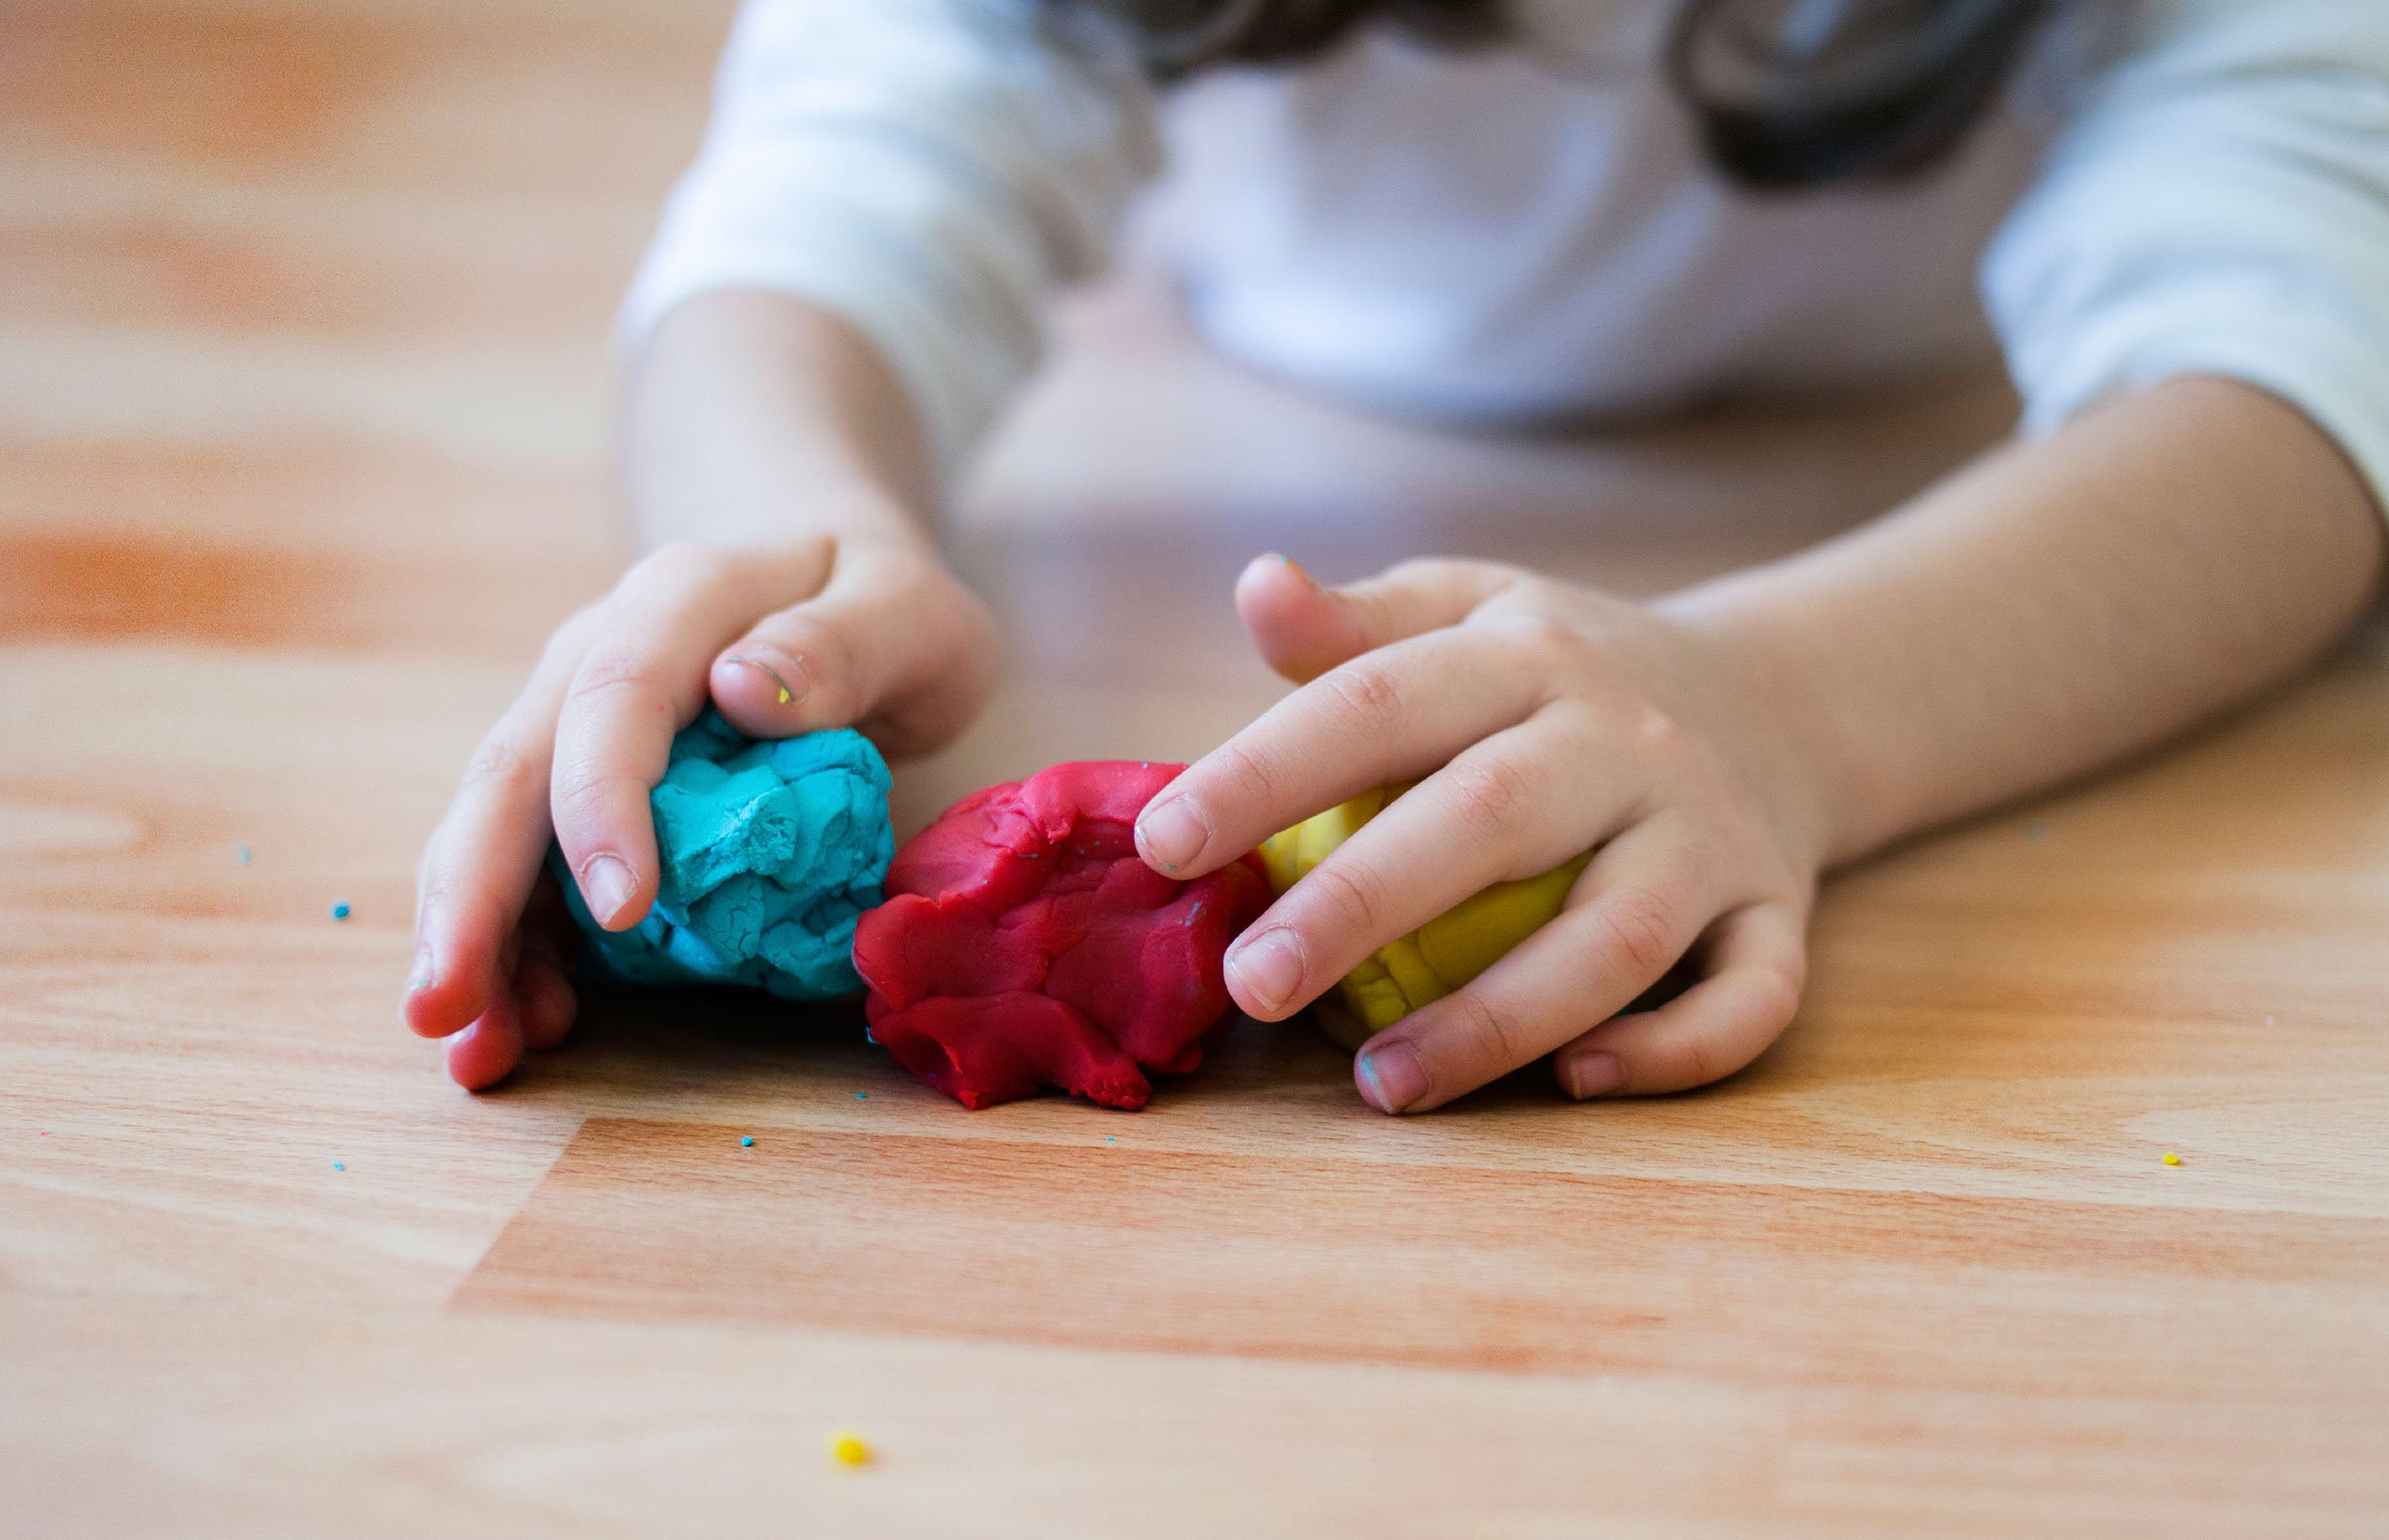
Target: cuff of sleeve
839,266
2329,364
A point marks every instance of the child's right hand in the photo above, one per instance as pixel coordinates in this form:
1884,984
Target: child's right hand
865,631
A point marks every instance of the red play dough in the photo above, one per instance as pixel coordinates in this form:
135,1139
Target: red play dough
1023,943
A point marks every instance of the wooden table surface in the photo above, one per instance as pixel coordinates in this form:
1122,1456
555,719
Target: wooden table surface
301,399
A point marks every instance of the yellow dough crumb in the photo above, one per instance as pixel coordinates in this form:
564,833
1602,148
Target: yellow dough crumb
848,1448
2172,1159
1437,958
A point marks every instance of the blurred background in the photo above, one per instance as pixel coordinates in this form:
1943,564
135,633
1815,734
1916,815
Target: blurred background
304,311
303,387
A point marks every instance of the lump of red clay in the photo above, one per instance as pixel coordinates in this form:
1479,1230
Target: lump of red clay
1023,943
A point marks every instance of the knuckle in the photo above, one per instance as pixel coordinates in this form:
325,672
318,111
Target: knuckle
978,640
1700,1062
569,640
611,674
1492,793
1534,646
1638,927
1354,892
432,882
1498,1041
1367,690
1421,571
1518,594
681,566
442,890
500,762
820,553
1541,637
580,799
955,617
1539,643
1248,773
1776,993
1375,610
1660,734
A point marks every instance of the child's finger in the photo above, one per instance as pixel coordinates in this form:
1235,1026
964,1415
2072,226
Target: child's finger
543,978
1515,804
1303,628
488,1051
641,681
1400,712
481,863
546,1003
891,640
1715,1028
1640,905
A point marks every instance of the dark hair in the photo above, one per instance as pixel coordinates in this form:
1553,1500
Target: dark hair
1787,94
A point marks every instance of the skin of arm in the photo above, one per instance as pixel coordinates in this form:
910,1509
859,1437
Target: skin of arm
2158,562
2043,611
778,483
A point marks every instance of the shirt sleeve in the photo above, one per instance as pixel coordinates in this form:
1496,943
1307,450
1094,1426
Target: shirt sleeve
2217,204
927,170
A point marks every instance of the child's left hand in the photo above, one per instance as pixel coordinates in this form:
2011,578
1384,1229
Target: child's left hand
1548,720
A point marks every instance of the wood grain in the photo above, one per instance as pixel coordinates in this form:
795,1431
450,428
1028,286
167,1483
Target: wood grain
1536,1269
301,395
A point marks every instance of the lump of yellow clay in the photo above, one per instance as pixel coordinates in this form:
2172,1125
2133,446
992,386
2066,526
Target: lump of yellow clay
1434,960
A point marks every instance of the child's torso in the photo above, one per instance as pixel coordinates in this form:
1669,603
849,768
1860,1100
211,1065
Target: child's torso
1533,231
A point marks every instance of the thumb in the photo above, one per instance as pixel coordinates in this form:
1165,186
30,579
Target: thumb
892,646
1303,628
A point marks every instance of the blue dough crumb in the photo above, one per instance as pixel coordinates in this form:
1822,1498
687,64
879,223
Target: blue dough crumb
771,851
340,911
746,1142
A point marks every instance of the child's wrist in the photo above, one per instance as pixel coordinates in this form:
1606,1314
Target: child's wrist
776,519
1825,796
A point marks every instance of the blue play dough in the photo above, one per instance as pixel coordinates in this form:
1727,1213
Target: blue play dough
770,852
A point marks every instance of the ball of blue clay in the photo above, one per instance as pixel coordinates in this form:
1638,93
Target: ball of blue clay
771,851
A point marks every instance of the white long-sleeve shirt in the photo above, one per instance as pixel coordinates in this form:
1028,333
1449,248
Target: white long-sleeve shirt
1530,231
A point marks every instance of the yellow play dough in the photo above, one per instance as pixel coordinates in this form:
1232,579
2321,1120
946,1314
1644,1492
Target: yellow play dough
1434,960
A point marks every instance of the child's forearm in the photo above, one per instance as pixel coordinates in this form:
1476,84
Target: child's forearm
2056,605
752,417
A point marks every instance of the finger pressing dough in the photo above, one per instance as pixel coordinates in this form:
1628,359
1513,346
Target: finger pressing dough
771,851
1432,961
1023,943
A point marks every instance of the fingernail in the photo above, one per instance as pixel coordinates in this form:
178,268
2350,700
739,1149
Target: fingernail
1391,1077
419,974
1173,834
606,883
1592,1074
788,678
1269,966
1301,573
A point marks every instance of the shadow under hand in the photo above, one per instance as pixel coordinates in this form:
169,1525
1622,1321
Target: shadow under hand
672,1053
